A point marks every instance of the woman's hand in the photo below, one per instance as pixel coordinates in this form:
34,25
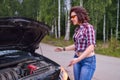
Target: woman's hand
59,49
74,61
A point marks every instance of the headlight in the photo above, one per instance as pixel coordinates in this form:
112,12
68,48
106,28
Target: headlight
63,74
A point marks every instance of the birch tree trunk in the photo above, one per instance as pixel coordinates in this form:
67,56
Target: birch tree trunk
52,29
104,23
56,29
67,31
117,20
59,29
111,32
81,2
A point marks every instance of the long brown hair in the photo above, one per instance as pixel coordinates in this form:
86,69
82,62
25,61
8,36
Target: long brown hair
81,13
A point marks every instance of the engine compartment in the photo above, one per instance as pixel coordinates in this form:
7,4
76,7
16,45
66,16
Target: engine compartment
17,66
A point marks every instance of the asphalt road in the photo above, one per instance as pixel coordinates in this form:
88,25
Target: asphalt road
108,68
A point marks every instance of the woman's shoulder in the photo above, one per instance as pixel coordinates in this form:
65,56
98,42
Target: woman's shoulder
87,25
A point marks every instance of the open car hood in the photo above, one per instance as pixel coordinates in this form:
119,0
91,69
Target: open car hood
21,33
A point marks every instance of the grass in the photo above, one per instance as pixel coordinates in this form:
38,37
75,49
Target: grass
56,42
112,48
109,49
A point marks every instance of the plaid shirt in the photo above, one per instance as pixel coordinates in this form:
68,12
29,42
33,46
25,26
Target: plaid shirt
83,37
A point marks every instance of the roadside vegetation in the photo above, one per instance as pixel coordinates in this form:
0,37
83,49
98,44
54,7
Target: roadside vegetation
104,16
111,48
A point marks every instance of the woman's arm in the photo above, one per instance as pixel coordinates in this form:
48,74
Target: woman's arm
87,52
68,48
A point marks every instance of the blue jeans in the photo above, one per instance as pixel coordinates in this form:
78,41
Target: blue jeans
84,69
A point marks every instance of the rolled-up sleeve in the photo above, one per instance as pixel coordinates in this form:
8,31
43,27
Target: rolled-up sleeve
90,35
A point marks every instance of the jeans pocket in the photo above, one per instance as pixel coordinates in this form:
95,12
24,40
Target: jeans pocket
90,61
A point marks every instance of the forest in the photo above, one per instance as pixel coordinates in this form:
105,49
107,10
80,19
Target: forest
104,16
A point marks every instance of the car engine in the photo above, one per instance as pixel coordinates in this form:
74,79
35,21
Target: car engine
27,67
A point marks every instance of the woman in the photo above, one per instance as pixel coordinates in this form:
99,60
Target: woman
84,61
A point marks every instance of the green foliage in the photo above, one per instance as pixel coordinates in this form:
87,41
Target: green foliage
48,11
57,42
5,8
75,2
96,9
114,44
28,8
111,48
